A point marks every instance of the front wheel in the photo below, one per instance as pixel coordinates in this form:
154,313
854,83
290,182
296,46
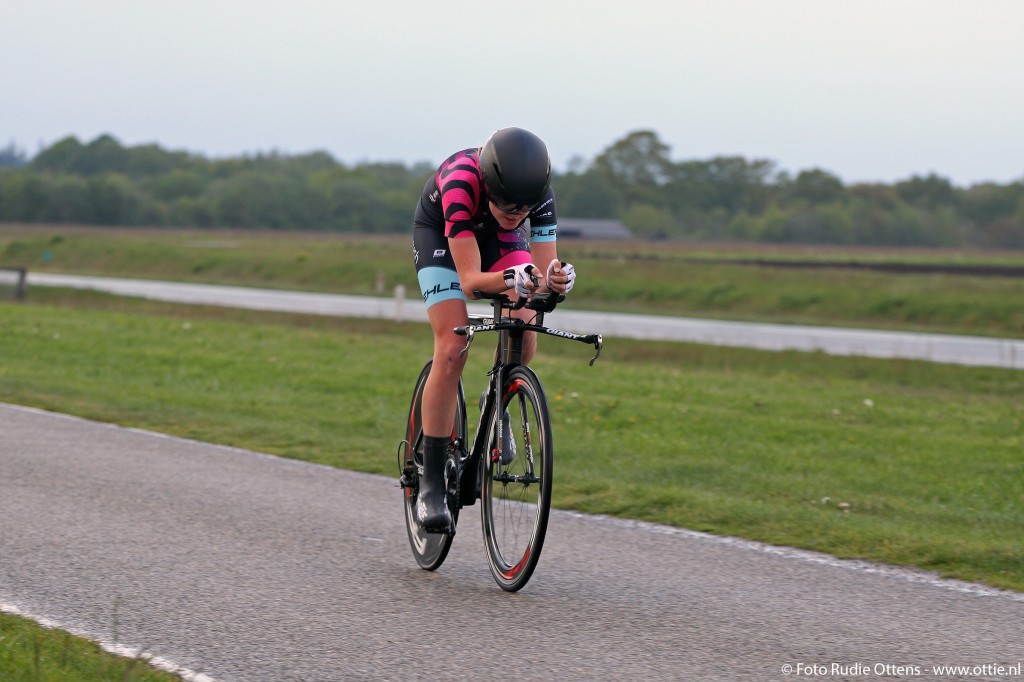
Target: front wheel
429,549
516,491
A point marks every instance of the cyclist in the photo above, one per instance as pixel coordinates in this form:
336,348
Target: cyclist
469,234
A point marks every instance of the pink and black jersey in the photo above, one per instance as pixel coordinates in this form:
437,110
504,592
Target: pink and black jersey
454,201
454,206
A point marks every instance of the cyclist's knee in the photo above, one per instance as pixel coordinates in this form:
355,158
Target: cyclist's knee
448,355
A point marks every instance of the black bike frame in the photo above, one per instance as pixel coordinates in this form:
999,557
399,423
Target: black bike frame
508,355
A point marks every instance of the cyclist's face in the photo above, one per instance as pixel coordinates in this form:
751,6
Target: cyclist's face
508,220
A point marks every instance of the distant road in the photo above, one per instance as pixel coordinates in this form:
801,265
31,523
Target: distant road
944,348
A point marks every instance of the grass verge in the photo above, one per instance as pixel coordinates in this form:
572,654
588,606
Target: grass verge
32,653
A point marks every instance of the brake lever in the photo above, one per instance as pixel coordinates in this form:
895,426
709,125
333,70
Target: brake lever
469,333
598,345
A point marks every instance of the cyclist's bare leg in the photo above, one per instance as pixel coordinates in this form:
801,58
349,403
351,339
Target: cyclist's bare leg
438,412
443,383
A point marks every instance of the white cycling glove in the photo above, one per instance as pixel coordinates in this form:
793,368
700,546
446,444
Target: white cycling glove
517,277
566,269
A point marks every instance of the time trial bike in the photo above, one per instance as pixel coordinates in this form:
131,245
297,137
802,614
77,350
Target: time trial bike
509,464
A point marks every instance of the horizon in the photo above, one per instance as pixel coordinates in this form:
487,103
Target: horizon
778,170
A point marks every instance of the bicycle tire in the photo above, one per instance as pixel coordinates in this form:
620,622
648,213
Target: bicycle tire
516,497
429,549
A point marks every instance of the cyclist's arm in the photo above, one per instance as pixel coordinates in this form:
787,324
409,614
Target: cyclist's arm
543,253
466,255
543,249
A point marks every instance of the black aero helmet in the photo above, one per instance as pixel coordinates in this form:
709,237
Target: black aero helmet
515,166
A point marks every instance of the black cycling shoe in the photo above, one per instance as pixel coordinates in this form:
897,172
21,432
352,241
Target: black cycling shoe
432,512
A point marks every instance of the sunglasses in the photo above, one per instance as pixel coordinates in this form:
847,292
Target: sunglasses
511,208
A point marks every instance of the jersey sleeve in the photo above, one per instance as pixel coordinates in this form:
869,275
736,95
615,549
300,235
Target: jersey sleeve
459,183
543,221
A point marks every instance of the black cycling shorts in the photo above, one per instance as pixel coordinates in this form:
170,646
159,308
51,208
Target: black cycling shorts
435,268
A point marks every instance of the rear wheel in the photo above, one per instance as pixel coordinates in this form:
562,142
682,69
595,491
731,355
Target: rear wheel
516,494
429,549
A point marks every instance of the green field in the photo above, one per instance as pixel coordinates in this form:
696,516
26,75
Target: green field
909,463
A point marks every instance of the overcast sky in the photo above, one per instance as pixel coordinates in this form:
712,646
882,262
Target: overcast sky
866,89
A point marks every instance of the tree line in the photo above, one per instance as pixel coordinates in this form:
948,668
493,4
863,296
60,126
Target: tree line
726,198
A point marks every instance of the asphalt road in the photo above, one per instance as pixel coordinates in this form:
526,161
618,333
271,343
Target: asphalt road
946,348
239,566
